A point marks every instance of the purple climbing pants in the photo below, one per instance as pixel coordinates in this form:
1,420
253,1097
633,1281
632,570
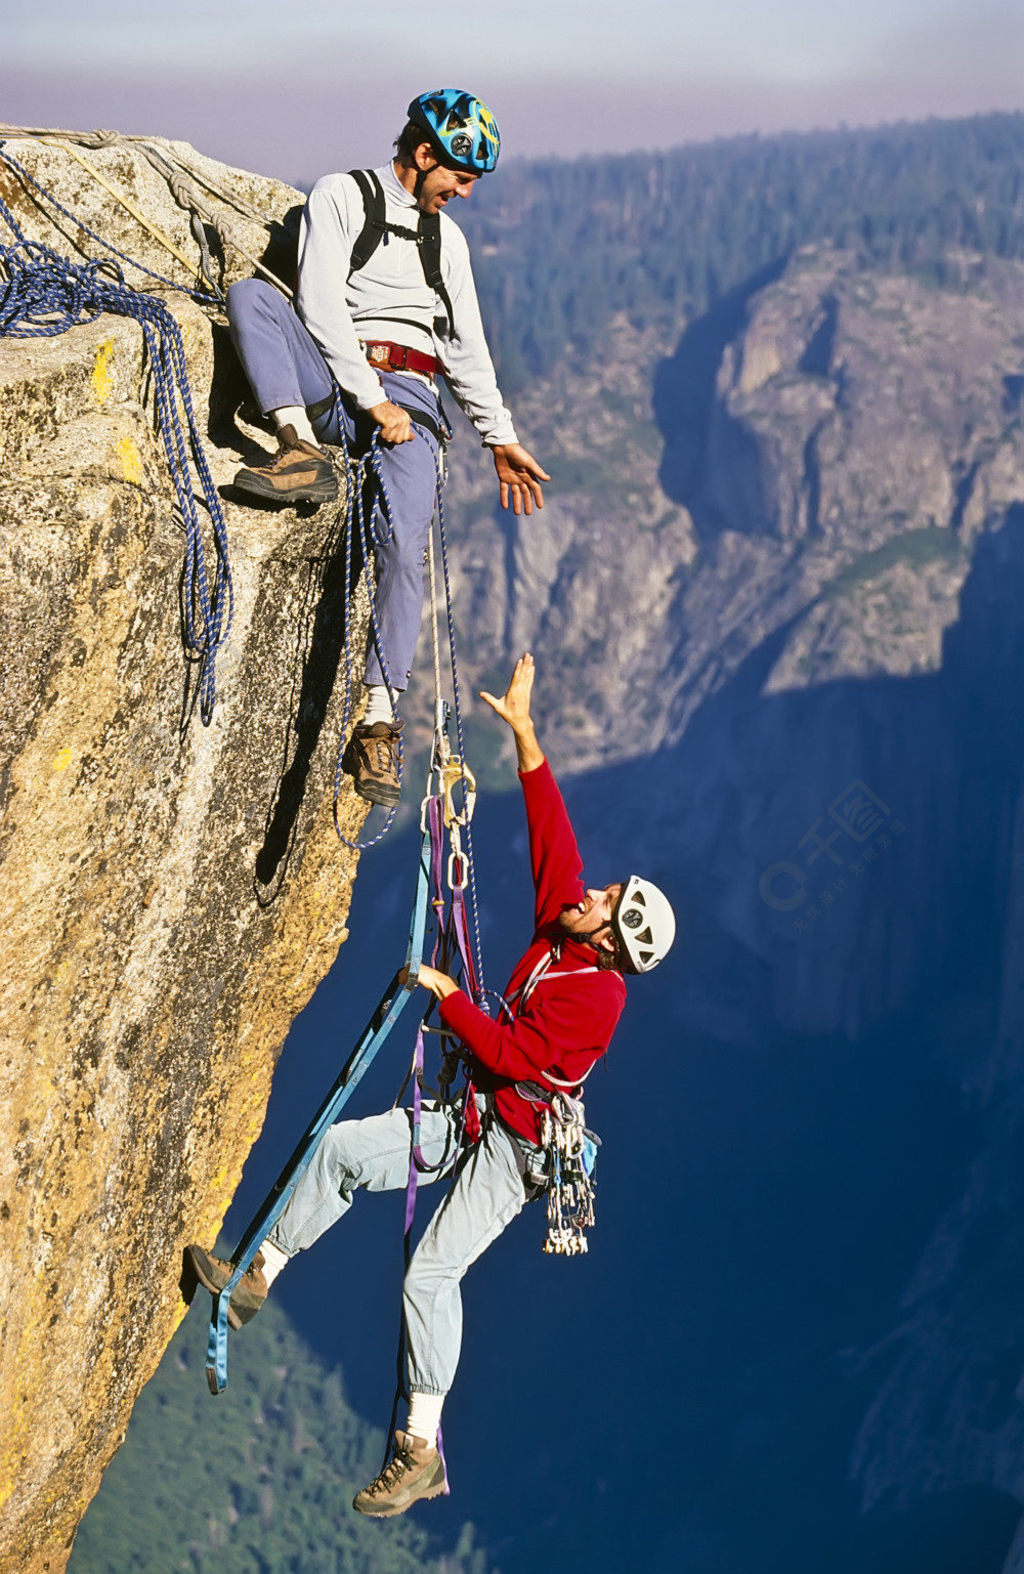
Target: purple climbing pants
285,367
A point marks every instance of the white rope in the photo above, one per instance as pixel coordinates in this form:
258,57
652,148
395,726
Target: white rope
440,742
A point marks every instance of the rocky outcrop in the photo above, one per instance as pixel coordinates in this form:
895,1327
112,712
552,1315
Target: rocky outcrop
818,455
171,895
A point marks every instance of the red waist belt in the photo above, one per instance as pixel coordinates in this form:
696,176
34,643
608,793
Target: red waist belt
389,357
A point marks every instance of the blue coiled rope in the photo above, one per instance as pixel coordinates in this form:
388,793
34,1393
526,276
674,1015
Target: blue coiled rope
45,294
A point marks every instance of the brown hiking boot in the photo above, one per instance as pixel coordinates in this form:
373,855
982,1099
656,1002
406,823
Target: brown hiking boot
249,1293
298,473
371,759
415,1470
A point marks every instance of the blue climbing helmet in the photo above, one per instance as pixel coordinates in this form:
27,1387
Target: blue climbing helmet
463,131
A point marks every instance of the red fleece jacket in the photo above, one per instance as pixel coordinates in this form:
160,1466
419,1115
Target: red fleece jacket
570,1016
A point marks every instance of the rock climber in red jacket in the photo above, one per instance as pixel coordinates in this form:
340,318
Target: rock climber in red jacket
565,995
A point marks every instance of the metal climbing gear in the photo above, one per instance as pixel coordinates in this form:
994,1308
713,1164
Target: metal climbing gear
568,1163
572,1154
45,294
455,773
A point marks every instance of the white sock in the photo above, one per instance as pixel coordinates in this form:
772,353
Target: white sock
274,1259
425,1416
378,704
295,415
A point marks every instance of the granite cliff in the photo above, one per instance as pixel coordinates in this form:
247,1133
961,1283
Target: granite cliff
774,598
171,895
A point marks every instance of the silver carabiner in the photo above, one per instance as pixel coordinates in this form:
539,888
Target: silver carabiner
456,856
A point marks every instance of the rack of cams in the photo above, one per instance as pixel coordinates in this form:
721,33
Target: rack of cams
573,1154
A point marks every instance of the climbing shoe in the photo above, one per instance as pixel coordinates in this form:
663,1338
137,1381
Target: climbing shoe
298,473
415,1470
249,1293
371,759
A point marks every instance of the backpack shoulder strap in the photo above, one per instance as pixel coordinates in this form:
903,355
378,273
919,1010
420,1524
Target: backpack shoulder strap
430,249
427,237
429,240
372,232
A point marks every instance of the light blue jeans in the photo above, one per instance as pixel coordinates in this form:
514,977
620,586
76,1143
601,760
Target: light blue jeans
374,1154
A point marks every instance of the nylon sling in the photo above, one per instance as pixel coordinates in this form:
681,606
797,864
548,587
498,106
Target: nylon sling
392,1003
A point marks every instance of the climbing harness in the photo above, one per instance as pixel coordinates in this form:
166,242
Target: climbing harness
566,1167
44,295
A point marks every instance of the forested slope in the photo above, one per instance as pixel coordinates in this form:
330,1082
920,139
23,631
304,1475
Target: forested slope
561,247
261,1479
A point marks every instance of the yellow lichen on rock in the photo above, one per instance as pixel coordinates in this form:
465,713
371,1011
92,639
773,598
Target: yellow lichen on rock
130,461
102,382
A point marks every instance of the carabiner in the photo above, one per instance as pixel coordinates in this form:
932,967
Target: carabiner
456,855
454,772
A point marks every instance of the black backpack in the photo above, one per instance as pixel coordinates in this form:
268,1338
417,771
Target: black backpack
427,237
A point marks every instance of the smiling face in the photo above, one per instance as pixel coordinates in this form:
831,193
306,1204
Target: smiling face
438,183
441,185
590,919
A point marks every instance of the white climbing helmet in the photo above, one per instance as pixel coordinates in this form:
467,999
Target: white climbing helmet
645,923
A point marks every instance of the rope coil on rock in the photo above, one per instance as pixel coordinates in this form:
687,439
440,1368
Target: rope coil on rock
44,295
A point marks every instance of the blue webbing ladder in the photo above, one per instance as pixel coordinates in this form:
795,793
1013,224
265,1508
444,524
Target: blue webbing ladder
391,1005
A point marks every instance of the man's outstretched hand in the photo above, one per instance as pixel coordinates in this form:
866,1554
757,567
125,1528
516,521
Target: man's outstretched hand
520,478
514,707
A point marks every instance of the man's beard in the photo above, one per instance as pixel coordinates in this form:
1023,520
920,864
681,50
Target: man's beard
565,917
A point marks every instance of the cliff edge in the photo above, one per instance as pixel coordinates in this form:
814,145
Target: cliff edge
171,893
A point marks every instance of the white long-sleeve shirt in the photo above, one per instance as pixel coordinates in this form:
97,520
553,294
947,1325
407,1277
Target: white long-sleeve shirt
390,299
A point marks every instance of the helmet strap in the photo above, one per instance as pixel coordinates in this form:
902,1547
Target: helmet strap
592,936
421,175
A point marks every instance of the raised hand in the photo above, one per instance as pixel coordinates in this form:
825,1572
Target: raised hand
514,708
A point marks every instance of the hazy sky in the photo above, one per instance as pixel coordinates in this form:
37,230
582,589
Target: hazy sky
297,89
